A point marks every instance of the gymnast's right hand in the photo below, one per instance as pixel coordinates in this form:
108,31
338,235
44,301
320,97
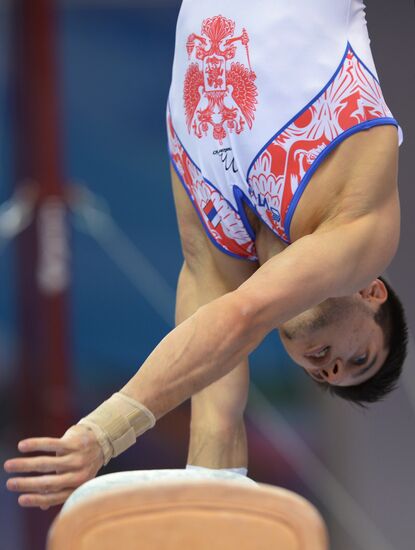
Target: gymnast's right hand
78,458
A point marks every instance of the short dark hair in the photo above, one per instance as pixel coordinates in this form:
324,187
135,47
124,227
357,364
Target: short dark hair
391,318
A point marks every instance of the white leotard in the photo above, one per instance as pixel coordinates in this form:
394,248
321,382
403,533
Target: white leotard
260,93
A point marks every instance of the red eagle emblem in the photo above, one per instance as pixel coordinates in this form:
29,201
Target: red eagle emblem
216,95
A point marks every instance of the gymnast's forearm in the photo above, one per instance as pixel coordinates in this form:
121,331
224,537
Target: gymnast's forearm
199,351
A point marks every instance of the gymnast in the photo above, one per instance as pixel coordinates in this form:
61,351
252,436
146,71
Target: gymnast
284,165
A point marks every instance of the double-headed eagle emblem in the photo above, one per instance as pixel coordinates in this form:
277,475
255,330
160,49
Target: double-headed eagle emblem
216,96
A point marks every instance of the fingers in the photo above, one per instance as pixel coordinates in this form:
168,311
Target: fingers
50,490
58,464
45,484
42,464
78,459
74,450
48,444
44,501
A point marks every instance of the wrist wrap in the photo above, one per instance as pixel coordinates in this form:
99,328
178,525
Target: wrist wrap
117,423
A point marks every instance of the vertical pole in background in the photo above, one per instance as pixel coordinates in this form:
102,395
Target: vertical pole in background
44,386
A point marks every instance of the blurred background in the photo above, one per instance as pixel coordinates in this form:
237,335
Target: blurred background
87,289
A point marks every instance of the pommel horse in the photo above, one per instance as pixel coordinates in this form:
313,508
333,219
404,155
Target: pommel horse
185,510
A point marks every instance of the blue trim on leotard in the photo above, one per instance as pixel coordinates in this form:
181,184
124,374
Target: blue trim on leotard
307,176
240,197
363,63
297,115
205,227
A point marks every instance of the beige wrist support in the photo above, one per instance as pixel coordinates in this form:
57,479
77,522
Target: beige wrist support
117,423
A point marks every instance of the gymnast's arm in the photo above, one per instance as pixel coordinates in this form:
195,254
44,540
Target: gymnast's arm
333,261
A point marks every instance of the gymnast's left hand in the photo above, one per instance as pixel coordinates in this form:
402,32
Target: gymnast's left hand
78,458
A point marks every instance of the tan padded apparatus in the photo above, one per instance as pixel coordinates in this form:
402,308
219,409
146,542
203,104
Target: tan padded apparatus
202,515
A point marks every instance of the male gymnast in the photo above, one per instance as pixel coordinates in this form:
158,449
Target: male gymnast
284,163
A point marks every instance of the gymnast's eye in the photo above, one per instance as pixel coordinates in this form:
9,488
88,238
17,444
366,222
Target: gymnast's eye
361,360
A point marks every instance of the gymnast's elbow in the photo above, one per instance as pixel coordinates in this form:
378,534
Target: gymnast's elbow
245,320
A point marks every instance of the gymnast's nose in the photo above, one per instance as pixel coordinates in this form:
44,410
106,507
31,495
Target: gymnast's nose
333,372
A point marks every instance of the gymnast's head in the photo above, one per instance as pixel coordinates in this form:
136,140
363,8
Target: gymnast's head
354,346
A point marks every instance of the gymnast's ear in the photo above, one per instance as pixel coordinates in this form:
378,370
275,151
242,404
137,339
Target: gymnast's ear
376,291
